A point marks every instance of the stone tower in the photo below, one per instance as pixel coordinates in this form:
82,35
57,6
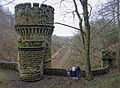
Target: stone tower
34,25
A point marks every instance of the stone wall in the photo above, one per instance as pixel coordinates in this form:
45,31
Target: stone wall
62,72
109,57
9,65
55,71
34,25
31,63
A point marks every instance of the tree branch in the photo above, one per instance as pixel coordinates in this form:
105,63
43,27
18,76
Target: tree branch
7,3
44,1
90,9
81,1
76,10
80,21
69,26
103,28
109,5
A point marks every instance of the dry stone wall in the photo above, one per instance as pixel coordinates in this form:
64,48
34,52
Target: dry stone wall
34,25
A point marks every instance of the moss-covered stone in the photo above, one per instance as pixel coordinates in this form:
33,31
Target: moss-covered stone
108,57
27,15
30,63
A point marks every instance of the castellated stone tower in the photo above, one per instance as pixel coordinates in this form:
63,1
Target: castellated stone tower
34,25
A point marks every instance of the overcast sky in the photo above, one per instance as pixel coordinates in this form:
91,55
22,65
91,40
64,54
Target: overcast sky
59,13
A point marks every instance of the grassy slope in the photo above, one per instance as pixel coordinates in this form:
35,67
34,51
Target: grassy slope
3,79
112,83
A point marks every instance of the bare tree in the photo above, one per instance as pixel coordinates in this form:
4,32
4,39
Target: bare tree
85,34
118,19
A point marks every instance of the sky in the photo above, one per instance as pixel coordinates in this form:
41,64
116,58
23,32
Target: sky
60,13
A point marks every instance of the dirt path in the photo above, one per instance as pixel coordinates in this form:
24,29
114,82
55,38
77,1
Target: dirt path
55,81
47,82
61,58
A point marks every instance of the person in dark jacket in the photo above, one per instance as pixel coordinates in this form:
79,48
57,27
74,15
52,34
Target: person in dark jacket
78,70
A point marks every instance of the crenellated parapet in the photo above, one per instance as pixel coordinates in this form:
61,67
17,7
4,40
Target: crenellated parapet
34,25
27,14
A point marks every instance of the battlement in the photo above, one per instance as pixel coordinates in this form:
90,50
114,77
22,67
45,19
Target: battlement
34,14
35,5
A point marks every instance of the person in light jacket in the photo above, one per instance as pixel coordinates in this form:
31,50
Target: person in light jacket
73,71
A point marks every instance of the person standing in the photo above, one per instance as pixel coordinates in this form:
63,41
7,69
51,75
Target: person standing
73,71
78,70
68,72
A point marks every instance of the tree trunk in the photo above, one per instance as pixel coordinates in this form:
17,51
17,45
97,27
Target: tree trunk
118,19
82,35
89,75
85,37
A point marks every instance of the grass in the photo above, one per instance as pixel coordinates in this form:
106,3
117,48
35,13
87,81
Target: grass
8,70
3,79
107,83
